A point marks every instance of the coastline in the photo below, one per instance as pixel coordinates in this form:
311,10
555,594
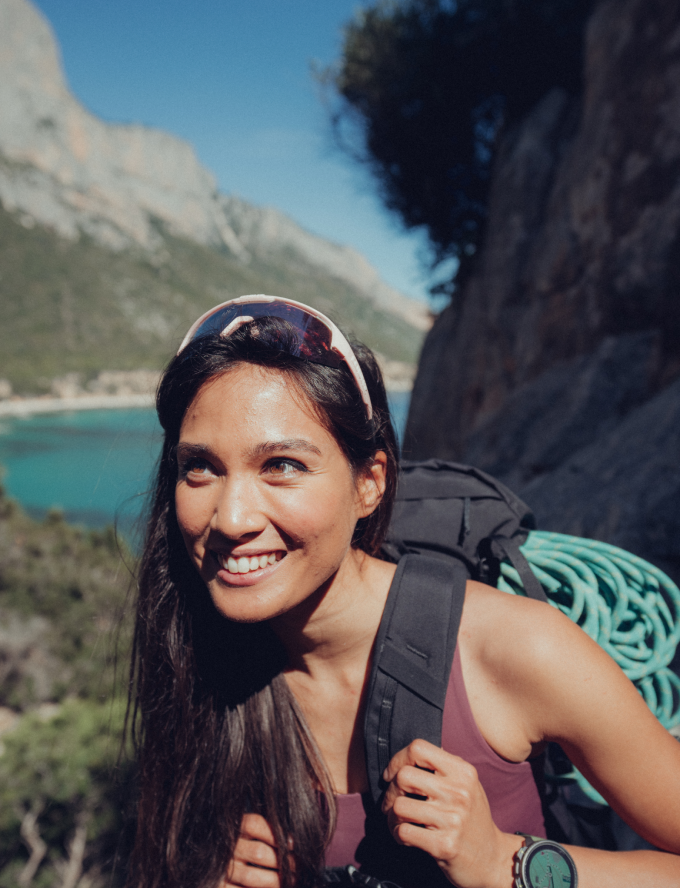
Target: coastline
50,404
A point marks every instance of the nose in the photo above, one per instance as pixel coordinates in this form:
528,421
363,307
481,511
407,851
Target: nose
239,510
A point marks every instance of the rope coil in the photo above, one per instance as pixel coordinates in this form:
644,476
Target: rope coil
625,604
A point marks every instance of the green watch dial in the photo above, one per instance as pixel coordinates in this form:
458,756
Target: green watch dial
549,867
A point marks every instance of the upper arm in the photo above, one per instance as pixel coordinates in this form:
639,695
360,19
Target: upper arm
567,689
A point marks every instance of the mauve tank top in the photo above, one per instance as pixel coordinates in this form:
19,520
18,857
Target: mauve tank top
510,787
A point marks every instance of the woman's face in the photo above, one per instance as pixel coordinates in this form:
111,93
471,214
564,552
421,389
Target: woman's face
265,498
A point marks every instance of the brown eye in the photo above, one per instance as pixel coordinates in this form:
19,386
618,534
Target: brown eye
198,468
285,468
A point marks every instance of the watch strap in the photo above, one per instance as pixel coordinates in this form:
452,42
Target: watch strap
529,840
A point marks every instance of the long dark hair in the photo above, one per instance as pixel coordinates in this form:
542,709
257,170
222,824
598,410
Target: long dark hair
216,729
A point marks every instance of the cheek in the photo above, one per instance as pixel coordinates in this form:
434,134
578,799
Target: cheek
329,516
193,513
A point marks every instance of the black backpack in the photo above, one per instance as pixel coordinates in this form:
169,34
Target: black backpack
452,522
452,511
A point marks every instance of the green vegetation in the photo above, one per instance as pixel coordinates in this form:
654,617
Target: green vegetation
62,795
429,86
74,306
62,779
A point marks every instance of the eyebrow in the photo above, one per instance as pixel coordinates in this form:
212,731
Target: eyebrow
186,450
298,444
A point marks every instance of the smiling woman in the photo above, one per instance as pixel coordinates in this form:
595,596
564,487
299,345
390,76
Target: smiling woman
268,502
261,593
267,455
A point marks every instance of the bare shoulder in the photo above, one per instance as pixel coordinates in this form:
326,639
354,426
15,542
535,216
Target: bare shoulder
532,647
511,628
490,608
509,648
547,676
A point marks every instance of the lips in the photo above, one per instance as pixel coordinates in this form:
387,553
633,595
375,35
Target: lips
246,563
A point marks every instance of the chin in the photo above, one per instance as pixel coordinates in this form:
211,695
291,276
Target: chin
244,605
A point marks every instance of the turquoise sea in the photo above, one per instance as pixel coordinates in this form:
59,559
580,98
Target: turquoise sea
94,465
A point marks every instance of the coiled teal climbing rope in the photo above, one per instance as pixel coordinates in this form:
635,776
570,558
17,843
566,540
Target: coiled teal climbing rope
628,606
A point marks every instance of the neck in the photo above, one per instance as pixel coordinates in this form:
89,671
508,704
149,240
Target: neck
335,628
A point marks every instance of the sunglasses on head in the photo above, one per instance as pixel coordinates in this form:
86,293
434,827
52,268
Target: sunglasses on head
310,334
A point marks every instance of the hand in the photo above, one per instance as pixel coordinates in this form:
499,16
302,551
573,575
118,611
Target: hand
453,821
256,861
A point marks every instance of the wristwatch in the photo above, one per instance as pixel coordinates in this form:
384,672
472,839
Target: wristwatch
540,863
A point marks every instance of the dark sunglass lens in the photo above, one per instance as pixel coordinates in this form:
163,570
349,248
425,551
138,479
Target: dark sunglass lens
301,335
218,321
316,344
308,337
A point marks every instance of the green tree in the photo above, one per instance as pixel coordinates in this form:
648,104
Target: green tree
61,795
62,594
62,616
426,87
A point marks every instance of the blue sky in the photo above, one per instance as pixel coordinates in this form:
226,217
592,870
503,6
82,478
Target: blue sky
233,78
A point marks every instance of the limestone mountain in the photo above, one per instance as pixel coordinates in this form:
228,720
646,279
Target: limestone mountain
97,214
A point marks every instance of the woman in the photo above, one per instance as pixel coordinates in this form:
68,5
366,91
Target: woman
260,596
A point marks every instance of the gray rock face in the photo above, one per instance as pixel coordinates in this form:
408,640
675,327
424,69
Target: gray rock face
555,370
624,487
570,406
63,167
583,236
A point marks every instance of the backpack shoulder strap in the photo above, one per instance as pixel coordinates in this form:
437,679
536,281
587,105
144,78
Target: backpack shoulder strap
412,660
495,549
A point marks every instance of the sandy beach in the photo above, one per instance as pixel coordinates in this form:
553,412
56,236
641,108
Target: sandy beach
50,404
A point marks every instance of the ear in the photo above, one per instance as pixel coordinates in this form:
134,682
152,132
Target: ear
371,485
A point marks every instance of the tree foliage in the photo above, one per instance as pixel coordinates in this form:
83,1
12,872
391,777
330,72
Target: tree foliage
429,86
62,794
62,786
62,591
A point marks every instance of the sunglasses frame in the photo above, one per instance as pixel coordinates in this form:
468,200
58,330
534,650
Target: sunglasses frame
339,343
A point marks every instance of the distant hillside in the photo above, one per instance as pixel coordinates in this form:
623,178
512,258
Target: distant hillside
113,238
75,306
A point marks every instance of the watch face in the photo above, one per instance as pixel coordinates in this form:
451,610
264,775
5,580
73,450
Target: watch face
547,865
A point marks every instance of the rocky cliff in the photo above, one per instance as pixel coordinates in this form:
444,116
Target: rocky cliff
70,170
62,167
556,367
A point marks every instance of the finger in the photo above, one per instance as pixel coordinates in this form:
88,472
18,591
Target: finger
421,754
440,844
251,876
416,782
256,853
254,826
406,810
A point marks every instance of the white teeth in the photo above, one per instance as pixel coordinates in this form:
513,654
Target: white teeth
245,564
